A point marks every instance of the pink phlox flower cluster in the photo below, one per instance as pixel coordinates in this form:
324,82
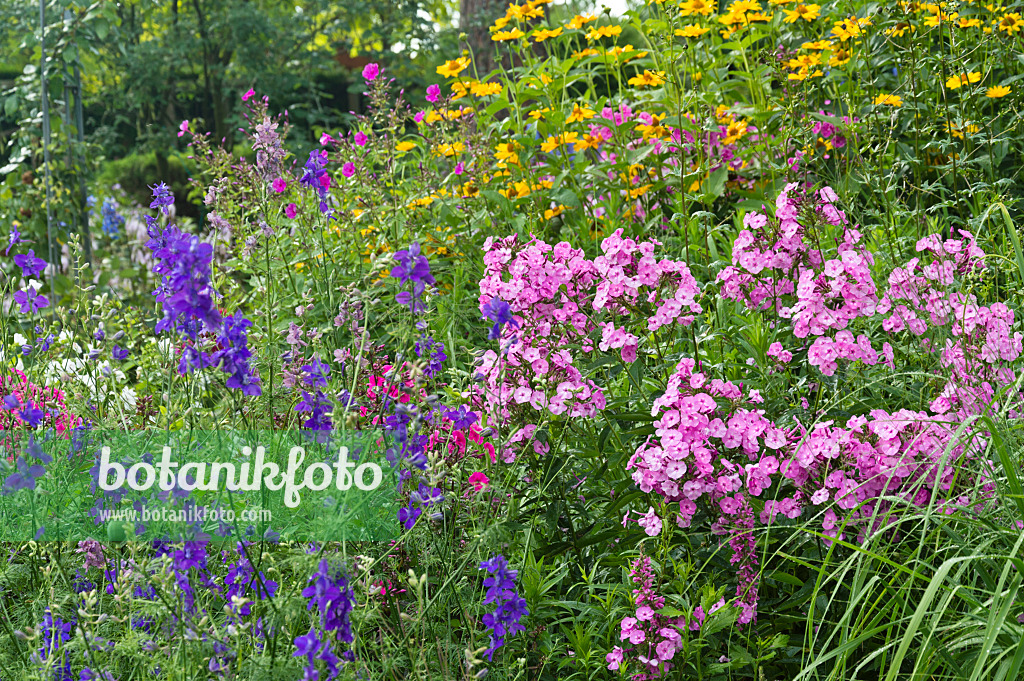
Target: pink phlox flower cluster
877,465
979,357
779,353
773,259
982,345
545,287
49,400
655,637
627,270
713,448
552,292
523,435
744,557
684,462
824,352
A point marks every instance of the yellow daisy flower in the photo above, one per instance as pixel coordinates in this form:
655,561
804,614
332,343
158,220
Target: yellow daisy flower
647,79
453,67
691,31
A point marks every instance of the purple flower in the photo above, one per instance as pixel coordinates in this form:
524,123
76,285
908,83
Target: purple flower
317,372
270,151
461,418
510,608
192,554
308,646
427,495
316,178
30,265
241,580
119,353
234,355
54,633
30,301
370,72
426,345
25,476
185,290
331,594
32,415
162,198
407,515
318,407
499,312
412,266
13,238
11,402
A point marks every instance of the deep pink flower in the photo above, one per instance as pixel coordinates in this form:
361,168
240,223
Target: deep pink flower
349,169
280,185
248,95
479,481
371,71
183,128
433,93
291,210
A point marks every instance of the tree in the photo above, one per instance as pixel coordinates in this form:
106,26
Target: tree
475,17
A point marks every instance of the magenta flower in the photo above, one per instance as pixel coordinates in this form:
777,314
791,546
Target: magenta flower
360,138
349,169
479,480
183,128
420,116
370,72
248,95
280,185
291,210
433,93
326,139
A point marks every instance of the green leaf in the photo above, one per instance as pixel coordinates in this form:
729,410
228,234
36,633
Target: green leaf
715,185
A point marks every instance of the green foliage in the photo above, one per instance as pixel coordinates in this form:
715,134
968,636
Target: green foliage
136,173
914,585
